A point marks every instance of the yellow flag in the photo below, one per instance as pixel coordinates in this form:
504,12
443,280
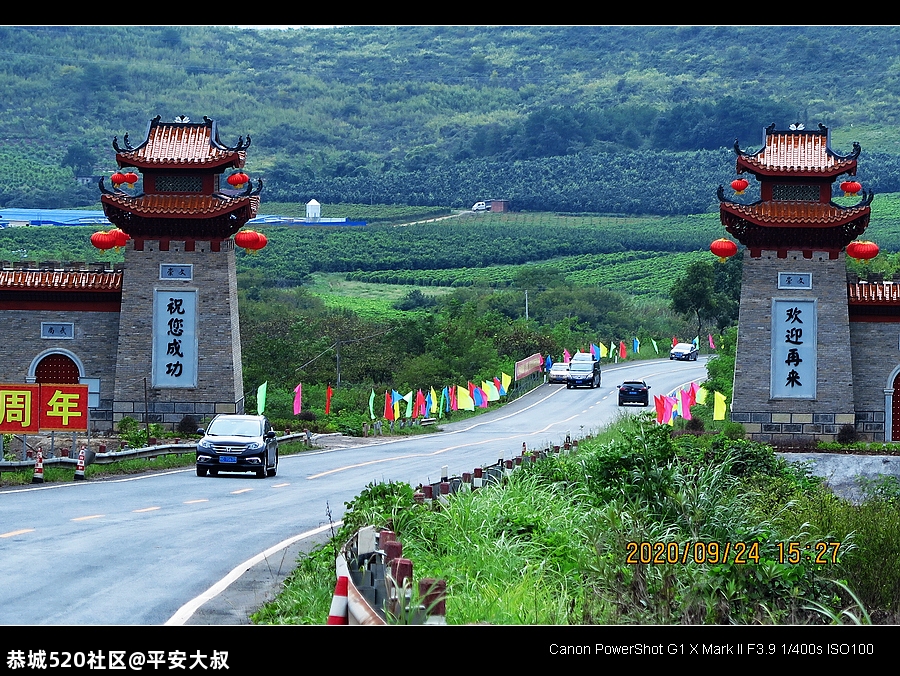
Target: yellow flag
506,380
701,396
464,400
434,402
603,351
719,406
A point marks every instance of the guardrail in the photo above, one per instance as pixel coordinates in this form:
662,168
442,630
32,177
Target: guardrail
106,457
380,580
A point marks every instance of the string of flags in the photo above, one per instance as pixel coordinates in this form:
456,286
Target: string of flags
431,402
670,407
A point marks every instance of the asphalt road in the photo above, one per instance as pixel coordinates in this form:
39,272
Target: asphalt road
175,548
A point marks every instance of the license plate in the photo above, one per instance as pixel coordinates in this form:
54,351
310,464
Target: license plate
227,458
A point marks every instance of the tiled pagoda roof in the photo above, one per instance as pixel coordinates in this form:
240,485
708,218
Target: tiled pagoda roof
60,280
797,153
180,206
873,293
176,145
795,214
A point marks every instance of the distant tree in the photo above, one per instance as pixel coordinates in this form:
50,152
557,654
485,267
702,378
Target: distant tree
711,291
694,293
80,158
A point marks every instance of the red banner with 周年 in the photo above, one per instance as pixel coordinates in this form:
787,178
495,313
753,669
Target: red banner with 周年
27,409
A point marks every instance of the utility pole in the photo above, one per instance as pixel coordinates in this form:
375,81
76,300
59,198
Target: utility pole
337,349
526,305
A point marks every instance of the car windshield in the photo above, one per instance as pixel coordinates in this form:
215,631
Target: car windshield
684,346
581,366
234,427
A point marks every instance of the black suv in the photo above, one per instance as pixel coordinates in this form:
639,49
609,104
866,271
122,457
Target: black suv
583,372
238,443
636,391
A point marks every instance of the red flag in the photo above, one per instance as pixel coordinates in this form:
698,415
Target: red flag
388,406
622,353
660,408
328,394
419,405
674,341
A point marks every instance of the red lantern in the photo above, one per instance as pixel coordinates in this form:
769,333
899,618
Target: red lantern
723,248
119,237
103,240
131,178
238,180
117,179
850,188
739,185
250,240
862,250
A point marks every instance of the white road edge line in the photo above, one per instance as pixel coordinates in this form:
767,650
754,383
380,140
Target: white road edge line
186,611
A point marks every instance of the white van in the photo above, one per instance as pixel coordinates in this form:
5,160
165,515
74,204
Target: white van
480,206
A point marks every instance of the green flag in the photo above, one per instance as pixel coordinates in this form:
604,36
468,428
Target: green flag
372,405
261,398
655,348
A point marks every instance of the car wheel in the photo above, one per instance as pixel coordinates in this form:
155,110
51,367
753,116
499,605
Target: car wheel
214,472
261,472
201,471
274,470
621,403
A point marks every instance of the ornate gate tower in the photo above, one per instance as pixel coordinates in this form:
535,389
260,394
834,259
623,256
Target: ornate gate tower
793,371
179,340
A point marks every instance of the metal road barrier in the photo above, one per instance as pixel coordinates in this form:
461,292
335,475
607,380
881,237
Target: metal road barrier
380,580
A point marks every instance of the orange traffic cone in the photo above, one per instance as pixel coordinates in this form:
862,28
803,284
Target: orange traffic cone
79,468
338,612
38,477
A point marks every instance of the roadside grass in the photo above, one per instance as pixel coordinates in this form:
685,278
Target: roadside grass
577,539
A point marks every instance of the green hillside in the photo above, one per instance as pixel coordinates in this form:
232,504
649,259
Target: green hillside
600,119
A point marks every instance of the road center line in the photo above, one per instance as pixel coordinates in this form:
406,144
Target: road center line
17,532
145,509
85,518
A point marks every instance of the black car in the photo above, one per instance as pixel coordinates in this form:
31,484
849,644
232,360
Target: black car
238,443
634,391
583,372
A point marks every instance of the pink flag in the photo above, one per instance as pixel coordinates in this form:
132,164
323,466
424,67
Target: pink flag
686,404
297,397
712,345
566,356
668,405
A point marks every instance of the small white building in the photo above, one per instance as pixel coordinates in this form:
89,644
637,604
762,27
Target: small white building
313,210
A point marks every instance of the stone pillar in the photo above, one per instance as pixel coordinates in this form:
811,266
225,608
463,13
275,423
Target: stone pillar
764,402
217,381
